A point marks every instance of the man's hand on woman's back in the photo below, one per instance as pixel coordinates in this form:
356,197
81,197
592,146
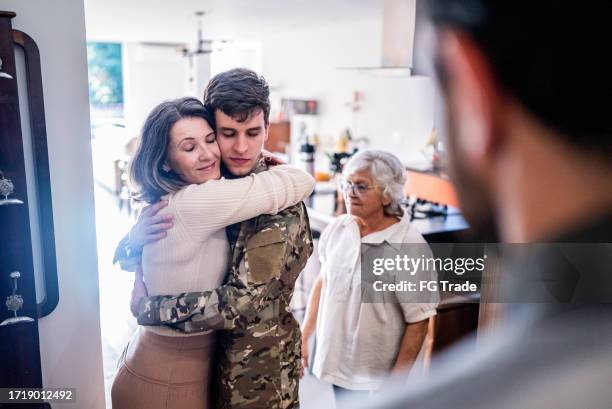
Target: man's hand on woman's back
150,226
270,159
139,291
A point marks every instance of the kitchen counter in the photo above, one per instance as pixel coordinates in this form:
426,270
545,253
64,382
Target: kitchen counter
434,229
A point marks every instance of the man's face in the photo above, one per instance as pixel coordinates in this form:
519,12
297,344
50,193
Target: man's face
468,130
241,142
476,204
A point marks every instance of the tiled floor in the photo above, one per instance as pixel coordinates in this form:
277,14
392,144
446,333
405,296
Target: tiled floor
117,323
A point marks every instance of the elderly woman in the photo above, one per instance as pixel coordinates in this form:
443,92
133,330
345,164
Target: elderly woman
358,343
178,160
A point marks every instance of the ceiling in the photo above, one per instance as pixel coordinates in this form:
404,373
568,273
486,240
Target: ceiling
174,21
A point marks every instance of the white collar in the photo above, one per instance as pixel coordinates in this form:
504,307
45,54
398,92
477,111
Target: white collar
394,235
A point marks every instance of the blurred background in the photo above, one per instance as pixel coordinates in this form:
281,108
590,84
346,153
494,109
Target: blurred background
344,75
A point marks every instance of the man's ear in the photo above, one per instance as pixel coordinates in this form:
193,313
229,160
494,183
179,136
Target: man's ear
267,131
474,96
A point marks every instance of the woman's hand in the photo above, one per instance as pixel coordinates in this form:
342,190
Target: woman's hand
304,357
310,319
150,226
139,291
270,159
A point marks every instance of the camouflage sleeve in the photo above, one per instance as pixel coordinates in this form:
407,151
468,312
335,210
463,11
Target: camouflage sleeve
218,309
127,259
241,300
252,291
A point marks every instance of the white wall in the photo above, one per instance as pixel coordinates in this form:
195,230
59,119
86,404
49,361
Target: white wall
151,74
397,112
302,62
70,337
154,73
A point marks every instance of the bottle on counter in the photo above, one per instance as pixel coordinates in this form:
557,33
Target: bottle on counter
343,141
307,155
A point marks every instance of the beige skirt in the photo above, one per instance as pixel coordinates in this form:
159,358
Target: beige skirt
159,372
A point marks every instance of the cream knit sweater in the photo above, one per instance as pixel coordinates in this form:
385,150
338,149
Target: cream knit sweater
194,256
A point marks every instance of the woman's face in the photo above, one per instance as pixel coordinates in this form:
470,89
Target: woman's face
193,153
363,198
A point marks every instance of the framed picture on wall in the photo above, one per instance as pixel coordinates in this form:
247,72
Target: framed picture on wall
292,107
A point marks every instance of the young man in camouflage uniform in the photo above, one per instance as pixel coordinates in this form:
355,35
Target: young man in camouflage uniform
259,341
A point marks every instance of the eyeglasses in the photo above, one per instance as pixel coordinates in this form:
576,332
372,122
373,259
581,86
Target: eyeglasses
358,189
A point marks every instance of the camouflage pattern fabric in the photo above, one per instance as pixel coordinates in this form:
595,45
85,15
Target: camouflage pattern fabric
260,346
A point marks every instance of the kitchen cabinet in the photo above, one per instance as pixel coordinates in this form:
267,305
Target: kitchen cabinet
279,137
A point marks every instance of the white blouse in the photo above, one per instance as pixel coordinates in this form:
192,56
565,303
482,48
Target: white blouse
358,343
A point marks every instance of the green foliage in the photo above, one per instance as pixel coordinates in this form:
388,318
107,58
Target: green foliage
105,74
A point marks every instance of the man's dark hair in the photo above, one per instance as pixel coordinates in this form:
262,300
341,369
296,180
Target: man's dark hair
550,55
238,93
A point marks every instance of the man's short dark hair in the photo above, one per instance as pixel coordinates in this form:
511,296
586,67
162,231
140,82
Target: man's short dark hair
550,55
238,93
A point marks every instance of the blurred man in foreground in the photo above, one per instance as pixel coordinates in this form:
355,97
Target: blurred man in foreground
527,89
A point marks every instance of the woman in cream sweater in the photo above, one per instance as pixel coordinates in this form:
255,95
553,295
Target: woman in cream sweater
178,160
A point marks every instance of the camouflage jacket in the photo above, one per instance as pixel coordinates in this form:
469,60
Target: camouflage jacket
260,344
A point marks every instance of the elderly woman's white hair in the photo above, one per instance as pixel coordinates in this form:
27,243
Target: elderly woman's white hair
387,172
